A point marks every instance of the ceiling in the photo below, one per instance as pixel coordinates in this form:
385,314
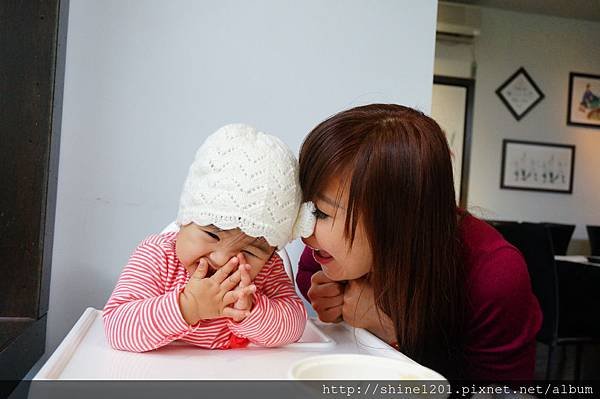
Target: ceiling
577,9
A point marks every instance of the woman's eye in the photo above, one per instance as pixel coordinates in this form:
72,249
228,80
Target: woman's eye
319,214
212,235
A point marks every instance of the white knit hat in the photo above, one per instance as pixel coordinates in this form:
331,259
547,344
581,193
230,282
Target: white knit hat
246,179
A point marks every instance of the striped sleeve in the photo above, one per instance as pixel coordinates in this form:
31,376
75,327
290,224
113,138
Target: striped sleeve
278,316
139,315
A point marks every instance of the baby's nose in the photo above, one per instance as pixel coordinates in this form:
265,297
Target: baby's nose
220,257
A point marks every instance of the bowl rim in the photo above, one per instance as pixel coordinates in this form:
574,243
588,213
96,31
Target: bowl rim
423,372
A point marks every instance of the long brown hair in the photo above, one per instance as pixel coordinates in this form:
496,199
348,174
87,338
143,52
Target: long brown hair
400,180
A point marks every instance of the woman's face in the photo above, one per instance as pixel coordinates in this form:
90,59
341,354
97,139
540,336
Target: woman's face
330,248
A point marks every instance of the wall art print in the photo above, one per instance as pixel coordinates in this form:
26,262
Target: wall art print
537,166
584,100
520,93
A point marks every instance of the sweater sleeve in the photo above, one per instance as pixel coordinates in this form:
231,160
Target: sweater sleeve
278,316
139,315
307,266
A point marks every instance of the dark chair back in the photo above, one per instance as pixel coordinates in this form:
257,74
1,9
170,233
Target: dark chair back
533,240
594,238
500,222
561,236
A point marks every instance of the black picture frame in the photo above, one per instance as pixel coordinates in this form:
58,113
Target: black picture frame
536,166
520,94
581,111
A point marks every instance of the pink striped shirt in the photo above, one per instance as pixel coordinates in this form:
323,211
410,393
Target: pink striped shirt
143,311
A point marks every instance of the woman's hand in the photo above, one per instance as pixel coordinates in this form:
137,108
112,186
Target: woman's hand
359,310
326,297
209,297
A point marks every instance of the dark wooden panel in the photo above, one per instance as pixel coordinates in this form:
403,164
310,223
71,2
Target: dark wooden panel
23,351
28,37
47,233
11,328
32,58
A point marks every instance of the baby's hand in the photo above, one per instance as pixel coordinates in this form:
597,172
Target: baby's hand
207,298
244,302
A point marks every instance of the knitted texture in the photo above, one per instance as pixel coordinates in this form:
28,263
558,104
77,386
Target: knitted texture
246,179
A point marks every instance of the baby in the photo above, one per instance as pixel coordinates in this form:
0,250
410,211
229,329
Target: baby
218,282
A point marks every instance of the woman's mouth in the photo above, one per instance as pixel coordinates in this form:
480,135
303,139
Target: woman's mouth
322,257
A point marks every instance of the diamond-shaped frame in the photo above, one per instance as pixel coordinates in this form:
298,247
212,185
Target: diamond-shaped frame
520,93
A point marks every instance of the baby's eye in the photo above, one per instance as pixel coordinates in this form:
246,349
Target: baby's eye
211,235
319,214
249,253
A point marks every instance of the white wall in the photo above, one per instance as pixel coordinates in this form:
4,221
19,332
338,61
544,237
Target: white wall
454,59
146,82
549,48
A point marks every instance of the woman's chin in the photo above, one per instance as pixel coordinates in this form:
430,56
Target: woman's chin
331,274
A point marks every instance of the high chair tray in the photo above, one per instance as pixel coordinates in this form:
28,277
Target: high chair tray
87,341
85,354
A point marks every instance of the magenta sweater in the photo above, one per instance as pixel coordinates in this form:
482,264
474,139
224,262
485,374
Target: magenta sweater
505,315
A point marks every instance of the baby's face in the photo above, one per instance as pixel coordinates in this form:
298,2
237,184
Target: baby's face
218,246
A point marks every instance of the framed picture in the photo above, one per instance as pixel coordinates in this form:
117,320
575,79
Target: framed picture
535,166
452,107
520,93
584,100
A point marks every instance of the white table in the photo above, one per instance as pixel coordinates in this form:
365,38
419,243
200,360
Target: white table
85,354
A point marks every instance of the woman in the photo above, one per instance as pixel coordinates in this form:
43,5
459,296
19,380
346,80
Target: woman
392,253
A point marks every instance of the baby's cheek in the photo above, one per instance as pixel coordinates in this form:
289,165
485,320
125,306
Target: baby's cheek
255,269
186,252
188,260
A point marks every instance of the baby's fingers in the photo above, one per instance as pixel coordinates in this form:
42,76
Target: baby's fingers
231,282
245,276
233,296
221,274
201,270
235,314
241,258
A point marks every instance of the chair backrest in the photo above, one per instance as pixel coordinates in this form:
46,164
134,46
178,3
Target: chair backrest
287,264
533,240
594,238
561,236
495,223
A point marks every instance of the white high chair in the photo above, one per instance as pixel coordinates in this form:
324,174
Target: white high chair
287,264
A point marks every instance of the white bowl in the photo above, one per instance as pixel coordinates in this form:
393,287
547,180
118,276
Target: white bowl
359,367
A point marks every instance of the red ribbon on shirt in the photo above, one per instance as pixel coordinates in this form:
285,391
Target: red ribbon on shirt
237,342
